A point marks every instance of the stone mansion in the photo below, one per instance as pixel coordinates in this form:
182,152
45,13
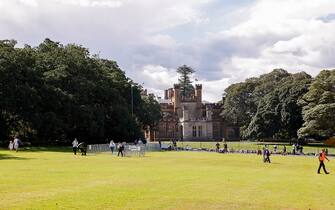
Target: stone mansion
190,119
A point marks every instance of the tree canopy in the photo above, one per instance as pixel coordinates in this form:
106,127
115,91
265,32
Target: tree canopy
184,81
319,107
266,107
52,93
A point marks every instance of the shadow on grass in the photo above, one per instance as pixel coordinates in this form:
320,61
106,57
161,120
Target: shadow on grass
47,149
11,157
44,149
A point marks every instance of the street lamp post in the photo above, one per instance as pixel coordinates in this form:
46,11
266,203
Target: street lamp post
132,100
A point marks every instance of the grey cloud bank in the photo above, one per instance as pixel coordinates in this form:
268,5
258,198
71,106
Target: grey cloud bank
224,41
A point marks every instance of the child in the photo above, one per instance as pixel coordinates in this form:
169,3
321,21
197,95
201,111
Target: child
11,145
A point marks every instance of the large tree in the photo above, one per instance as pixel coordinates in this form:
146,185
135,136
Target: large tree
52,93
242,99
184,80
278,113
319,107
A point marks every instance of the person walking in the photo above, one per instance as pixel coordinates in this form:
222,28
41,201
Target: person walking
322,157
266,155
74,146
112,146
16,144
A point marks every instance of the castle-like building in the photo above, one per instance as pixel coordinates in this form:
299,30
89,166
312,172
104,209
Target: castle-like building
188,118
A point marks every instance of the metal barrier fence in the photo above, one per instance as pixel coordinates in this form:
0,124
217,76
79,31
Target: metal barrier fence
129,149
134,150
96,148
152,147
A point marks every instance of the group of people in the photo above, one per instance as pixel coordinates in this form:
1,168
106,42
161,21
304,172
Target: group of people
120,147
296,148
14,144
82,147
225,147
321,156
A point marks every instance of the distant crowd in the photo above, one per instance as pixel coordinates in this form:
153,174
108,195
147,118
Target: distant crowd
119,147
15,143
296,149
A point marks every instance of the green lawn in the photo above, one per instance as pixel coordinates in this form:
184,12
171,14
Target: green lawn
162,180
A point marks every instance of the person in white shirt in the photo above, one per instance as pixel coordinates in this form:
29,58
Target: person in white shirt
11,145
16,144
74,146
112,146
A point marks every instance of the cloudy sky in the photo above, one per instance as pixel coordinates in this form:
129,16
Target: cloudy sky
225,41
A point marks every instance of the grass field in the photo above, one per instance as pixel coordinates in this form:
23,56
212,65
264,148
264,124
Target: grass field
162,180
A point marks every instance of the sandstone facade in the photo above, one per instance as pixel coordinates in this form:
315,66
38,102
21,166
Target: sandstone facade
188,118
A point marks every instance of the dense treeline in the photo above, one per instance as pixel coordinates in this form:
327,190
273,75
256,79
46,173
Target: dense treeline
280,105
52,93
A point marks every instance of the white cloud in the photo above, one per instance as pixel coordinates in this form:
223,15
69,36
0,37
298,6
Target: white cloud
32,3
162,40
290,34
158,76
93,3
213,90
150,39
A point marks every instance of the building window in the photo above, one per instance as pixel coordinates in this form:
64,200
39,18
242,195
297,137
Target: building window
200,131
194,128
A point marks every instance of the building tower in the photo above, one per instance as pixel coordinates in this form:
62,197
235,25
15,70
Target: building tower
198,95
176,97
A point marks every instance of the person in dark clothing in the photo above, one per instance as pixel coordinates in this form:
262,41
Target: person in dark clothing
120,148
217,147
174,144
82,147
225,147
284,150
322,157
266,155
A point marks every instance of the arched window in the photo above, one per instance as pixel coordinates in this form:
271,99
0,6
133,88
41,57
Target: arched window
194,129
199,130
